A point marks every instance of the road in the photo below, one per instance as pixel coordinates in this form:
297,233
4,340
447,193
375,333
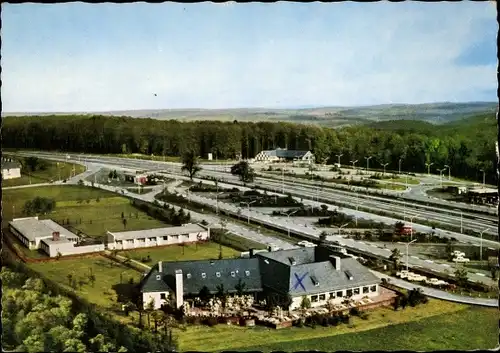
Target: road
439,294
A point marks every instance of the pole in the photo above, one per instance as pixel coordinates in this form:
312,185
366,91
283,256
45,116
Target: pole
461,222
481,246
400,160
283,179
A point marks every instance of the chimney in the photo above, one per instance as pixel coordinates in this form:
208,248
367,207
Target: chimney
335,262
179,289
55,236
160,266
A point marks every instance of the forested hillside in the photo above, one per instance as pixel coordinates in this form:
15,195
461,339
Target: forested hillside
466,146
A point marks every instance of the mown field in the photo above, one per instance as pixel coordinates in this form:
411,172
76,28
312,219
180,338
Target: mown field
98,210
54,171
436,326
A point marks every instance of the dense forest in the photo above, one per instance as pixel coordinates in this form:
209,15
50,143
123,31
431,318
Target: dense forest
467,146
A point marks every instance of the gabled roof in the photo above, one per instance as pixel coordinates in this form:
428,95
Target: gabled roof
10,165
151,283
284,153
210,273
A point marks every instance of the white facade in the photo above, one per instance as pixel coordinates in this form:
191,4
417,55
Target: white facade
266,156
68,248
11,173
158,298
158,237
336,297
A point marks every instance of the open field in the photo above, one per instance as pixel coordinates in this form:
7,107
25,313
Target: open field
107,277
403,180
204,251
79,202
382,322
473,328
52,172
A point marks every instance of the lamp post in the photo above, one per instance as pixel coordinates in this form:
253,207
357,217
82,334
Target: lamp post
411,225
441,175
288,223
217,201
484,176
407,247
248,209
368,162
400,160
283,179
342,227
384,165
338,156
428,165
356,215
353,164
481,245
449,171
407,181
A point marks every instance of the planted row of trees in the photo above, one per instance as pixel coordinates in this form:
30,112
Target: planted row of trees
167,214
39,205
466,146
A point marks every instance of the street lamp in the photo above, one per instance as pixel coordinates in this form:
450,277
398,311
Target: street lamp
338,156
368,162
342,227
461,221
428,165
484,176
449,171
407,255
384,165
411,225
441,175
353,164
400,160
288,223
248,205
356,215
481,245
217,202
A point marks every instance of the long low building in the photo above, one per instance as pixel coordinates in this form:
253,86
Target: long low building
319,274
188,233
49,236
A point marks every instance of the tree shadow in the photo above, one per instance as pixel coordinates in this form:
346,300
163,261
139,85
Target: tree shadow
126,292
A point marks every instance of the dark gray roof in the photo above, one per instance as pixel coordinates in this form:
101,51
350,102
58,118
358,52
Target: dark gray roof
284,153
151,283
311,265
226,272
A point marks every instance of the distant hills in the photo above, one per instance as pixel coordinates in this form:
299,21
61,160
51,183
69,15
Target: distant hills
435,113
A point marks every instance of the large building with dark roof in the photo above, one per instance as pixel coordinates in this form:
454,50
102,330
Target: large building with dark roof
320,274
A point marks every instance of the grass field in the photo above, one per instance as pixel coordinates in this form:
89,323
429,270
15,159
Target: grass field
71,203
437,325
390,186
403,180
44,176
205,251
106,272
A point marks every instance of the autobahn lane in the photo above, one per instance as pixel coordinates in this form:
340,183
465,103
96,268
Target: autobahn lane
470,220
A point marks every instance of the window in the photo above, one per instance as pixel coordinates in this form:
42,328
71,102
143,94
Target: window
203,275
165,238
163,296
373,288
322,297
217,274
233,274
340,294
314,298
349,292
158,277
188,275
247,273
356,291
332,295
365,290
152,239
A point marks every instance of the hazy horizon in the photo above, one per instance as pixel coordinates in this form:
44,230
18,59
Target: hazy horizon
78,57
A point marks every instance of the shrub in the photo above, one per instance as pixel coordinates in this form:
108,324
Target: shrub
211,321
354,311
324,322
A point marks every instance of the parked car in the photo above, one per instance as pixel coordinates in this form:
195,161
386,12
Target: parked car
461,259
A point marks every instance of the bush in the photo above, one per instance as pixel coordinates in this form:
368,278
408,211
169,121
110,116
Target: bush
211,321
354,312
334,320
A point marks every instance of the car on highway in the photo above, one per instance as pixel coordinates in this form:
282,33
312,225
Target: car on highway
461,260
436,282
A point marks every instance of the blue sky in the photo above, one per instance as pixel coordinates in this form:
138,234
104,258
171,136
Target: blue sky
89,57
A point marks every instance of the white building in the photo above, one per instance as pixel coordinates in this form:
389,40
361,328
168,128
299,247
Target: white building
10,169
50,237
279,155
188,233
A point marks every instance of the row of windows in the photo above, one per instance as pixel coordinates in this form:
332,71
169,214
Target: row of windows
218,274
340,294
142,240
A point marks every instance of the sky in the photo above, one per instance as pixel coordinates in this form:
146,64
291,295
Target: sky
104,57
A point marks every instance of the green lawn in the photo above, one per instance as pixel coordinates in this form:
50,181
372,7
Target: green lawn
403,180
205,251
44,176
390,186
71,203
106,272
437,325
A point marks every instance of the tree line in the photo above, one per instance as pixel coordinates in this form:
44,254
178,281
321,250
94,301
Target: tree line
466,146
